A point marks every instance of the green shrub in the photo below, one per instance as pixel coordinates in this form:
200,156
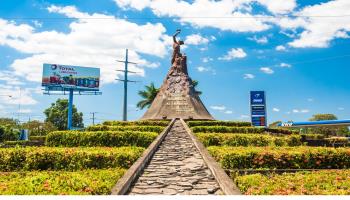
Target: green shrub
60,182
281,157
310,136
37,138
157,129
226,129
17,142
100,138
228,139
229,129
338,140
71,159
324,182
218,123
137,123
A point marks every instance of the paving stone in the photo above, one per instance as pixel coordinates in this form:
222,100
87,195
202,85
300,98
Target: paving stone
176,168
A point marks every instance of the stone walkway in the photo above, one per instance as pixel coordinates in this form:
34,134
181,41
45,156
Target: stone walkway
176,168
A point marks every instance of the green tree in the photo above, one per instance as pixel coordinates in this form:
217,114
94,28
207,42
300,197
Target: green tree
340,130
39,128
57,114
148,95
195,84
9,129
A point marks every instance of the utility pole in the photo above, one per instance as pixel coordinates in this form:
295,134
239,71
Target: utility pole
93,117
125,80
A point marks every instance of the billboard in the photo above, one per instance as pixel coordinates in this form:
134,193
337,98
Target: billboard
60,77
258,108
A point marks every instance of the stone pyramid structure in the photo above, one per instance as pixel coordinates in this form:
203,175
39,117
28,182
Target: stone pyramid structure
177,97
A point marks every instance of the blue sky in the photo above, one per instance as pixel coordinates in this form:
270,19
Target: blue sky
297,51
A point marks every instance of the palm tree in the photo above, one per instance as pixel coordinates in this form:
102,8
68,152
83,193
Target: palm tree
148,96
195,84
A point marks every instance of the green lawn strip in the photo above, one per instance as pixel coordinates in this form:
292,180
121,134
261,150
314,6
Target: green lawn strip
100,138
281,157
70,159
323,182
59,182
238,139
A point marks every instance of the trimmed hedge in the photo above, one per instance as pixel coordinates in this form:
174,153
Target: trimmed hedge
229,129
324,182
157,129
84,182
218,123
228,139
100,138
137,123
70,159
281,157
226,129
310,136
37,138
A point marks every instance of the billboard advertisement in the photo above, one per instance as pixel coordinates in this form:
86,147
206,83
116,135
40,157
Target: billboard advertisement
58,77
258,108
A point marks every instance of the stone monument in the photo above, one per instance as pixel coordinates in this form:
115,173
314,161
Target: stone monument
177,98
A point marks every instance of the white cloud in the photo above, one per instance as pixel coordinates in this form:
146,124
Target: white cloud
207,59
228,112
300,111
191,12
341,108
310,99
285,65
196,39
244,116
14,95
10,78
276,109
248,76
206,69
88,43
234,53
220,108
281,48
26,110
266,70
318,32
262,40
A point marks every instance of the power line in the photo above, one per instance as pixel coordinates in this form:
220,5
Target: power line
177,17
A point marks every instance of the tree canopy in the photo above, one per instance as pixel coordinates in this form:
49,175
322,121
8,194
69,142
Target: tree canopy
57,114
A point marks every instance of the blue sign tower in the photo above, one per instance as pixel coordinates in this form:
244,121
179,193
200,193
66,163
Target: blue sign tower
258,108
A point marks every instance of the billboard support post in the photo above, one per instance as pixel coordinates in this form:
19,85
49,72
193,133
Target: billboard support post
70,110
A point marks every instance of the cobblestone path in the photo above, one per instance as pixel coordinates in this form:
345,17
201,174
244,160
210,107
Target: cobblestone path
176,168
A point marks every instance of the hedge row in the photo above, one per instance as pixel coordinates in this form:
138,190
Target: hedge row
226,129
37,138
229,129
157,129
137,123
218,123
70,159
59,182
310,136
100,138
228,139
281,157
324,182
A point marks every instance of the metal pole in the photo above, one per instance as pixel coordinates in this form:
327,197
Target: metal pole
125,87
70,109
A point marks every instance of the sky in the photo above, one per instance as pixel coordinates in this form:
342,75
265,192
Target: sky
298,52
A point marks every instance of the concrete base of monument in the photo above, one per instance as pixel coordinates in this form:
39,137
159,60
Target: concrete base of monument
177,106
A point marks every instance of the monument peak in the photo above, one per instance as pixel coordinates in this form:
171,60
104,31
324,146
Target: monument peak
177,97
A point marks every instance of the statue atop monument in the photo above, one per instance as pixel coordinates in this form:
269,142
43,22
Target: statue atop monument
177,97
